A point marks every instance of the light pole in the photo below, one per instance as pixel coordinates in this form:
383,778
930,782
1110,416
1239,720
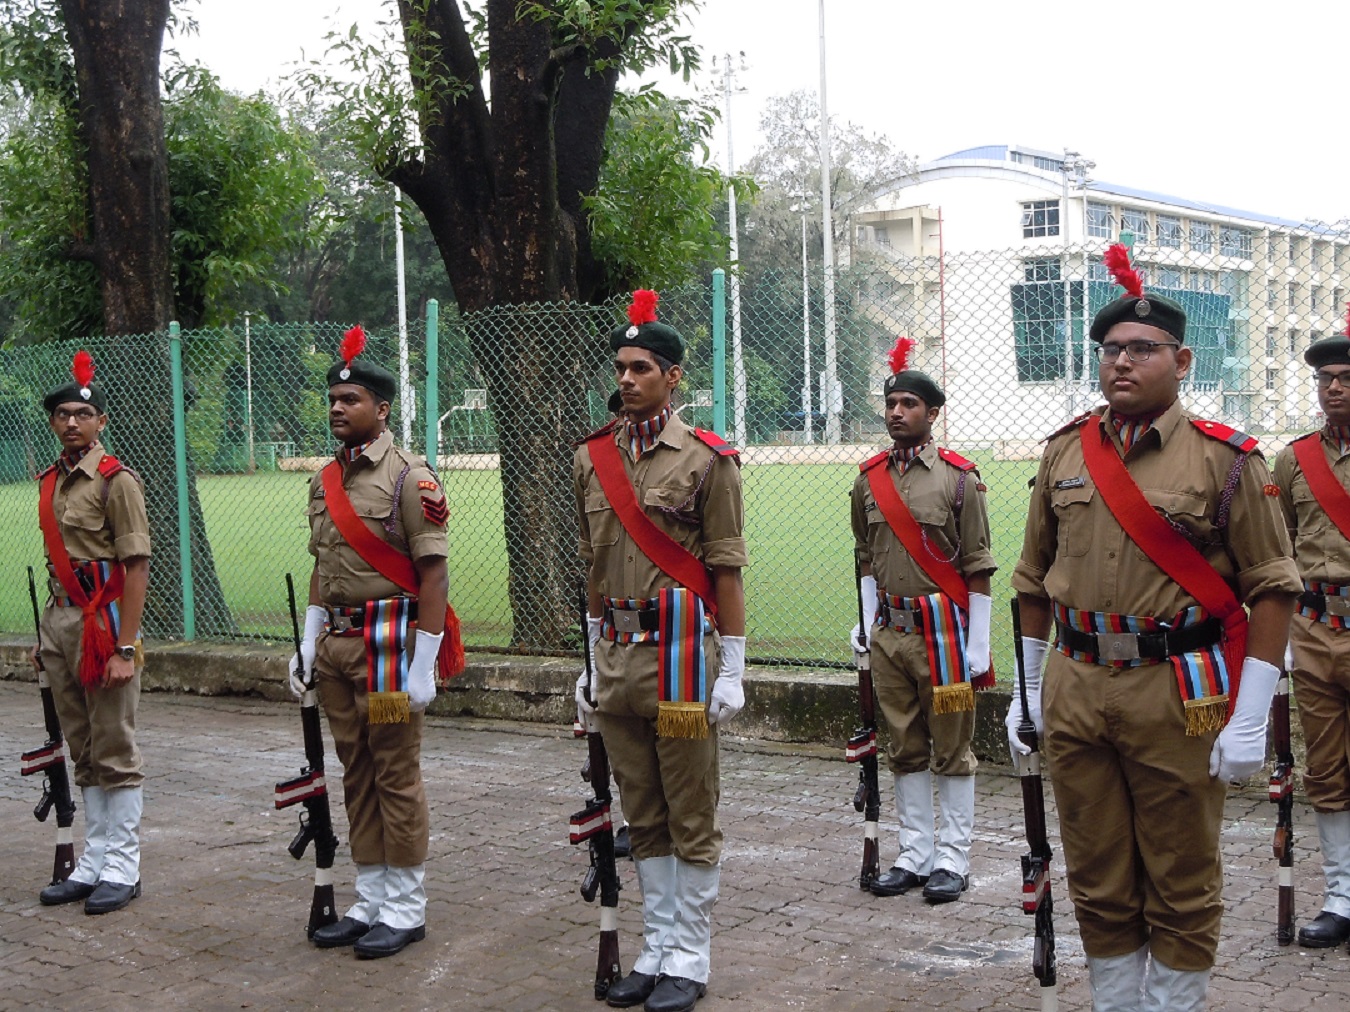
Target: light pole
739,391
832,399
248,390
1077,167
407,405
808,423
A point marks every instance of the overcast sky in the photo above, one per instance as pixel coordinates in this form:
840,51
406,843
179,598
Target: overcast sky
1231,103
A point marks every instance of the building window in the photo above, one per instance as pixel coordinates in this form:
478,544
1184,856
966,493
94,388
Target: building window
1272,298
883,236
1272,244
1039,332
1202,236
1136,222
1169,277
1169,231
1235,242
1230,283
1099,221
1042,270
1201,281
1040,218
1271,374
1272,342
1293,296
1097,269
1338,300
1295,250
1293,342
862,233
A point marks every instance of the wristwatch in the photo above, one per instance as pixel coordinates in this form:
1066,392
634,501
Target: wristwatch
127,653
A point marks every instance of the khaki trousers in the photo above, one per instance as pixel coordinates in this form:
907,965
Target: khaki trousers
99,724
1139,813
919,738
381,763
1322,690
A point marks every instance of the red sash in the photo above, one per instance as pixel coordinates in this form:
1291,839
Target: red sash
665,552
97,641
902,523
1165,547
389,562
1322,481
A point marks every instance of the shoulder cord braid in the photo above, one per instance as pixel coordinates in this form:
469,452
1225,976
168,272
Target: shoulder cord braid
681,512
390,523
957,502
1230,485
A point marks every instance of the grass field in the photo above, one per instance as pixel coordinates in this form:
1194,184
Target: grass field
799,586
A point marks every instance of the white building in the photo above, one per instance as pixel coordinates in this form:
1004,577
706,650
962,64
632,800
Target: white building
994,263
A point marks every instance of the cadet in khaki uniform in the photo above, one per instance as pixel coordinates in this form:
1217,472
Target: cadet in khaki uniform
663,751
917,623
99,510
358,641
1319,642
1139,775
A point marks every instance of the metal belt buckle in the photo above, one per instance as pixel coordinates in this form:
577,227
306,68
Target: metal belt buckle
627,620
340,623
1337,605
1117,647
903,618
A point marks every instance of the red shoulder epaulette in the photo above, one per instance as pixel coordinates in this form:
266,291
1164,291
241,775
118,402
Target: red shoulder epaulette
1071,425
46,471
1239,441
109,466
872,462
956,460
712,440
604,430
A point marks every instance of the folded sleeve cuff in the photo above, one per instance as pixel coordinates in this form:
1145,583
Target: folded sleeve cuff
727,552
1028,580
130,546
1275,576
429,545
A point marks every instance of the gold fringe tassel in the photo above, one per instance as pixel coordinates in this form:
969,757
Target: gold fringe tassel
1206,714
389,708
956,698
681,720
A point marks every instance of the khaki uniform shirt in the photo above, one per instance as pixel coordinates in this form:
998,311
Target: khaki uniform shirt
928,488
687,489
1075,552
386,486
95,526
1320,549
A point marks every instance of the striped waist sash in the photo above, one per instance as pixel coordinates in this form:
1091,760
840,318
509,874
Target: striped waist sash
92,575
384,625
637,620
943,626
1192,642
1327,603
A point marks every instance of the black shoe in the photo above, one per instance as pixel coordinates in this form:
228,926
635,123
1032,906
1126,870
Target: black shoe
110,896
345,932
382,940
897,882
944,886
1326,930
632,990
675,994
64,892
622,846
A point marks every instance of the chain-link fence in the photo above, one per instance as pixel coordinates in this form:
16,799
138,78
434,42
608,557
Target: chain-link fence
1005,334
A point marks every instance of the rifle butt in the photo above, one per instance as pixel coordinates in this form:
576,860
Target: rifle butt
322,907
608,969
64,861
871,861
1284,921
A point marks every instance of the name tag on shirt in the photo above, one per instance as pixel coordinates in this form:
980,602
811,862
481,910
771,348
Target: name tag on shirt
1069,483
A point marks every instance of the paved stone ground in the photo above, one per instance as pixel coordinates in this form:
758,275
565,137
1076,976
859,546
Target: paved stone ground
221,924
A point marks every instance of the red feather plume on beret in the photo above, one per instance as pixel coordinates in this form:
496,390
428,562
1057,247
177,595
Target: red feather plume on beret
643,308
1117,260
82,368
899,355
353,343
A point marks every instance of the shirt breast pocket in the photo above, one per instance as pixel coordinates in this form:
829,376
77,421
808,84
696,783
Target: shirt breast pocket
1183,510
676,502
85,514
601,519
934,522
1073,519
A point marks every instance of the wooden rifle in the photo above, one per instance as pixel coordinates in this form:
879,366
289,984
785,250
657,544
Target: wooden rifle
862,749
1282,794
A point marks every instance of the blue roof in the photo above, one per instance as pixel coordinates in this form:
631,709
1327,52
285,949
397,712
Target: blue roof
1000,152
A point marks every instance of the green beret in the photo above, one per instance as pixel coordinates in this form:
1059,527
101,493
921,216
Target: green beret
920,384
380,382
658,338
1153,310
1328,351
69,393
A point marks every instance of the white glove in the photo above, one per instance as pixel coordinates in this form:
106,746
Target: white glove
728,695
1289,657
977,635
421,680
863,634
302,664
1033,659
1240,749
584,707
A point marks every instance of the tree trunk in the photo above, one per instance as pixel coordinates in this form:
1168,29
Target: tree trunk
116,46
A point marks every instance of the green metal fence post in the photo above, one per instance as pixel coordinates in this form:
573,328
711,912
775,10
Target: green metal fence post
181,482
719,336
433,403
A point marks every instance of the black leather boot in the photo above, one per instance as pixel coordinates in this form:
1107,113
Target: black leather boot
345,932
1325,931
632,990
110,896
65,892
675,994
897,882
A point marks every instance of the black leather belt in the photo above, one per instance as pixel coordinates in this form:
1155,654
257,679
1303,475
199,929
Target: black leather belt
631,620
1148,646
340,619
1330,604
